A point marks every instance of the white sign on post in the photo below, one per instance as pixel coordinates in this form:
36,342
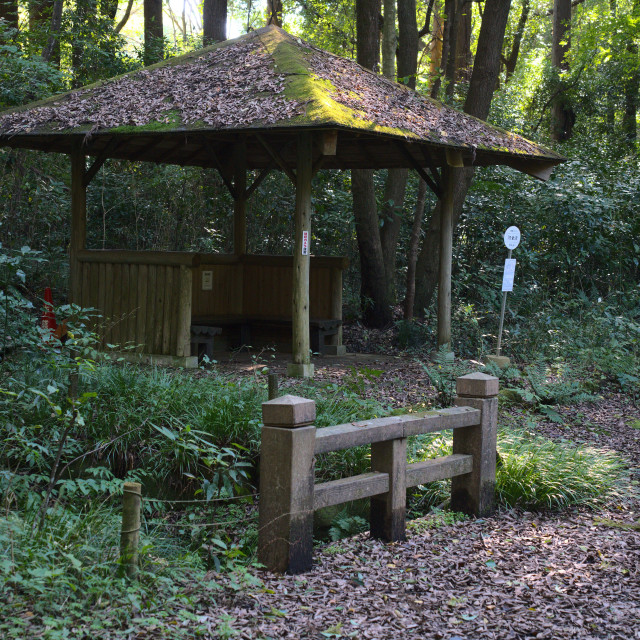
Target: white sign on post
512,239
305,243
509,273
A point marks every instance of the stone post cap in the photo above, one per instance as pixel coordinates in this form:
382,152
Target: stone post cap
288,411
477,385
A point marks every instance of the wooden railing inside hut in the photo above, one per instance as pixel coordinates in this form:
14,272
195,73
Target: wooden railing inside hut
149,299
289,495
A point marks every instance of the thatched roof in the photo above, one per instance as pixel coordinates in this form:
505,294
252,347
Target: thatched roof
266,82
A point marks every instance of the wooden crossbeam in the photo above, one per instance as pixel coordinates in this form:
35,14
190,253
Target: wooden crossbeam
277,158
433,170
99,161
223,173
420,170
256,183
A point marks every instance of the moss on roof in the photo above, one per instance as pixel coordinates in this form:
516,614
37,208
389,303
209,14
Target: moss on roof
265,79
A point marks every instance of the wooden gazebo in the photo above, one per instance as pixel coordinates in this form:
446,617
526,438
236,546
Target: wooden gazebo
265,101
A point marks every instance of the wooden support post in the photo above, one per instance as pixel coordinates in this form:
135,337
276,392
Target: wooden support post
474,493
334,346
446,253
130,534
78,222
388,510
273,386
285,532
240,200
301,366
183,324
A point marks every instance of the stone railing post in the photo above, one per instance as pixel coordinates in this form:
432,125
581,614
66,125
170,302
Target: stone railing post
285,534
474,493
388,510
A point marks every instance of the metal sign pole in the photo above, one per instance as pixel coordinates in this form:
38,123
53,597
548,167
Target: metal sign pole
504,304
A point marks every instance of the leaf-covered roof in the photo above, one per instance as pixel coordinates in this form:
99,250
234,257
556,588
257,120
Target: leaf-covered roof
267,80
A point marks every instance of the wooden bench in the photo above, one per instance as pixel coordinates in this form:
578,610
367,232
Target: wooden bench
320,328
202,340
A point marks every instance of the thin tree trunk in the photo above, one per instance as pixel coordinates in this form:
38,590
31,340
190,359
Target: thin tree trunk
412,255
483,82
51,51
125,18
512,60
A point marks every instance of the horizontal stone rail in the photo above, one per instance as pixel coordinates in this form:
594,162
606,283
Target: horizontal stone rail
289,495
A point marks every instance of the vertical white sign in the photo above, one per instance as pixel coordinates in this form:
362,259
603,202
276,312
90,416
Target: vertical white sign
207,280
305,243
509,273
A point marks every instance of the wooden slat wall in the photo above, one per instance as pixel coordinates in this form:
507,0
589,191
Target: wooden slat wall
257,288
139,304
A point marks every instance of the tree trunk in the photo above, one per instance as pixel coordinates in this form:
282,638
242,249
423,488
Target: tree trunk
437,38
632,86
78,62
412,255
274,12
9,13
374,293
214,21
389,39
153,32
483,82
393,202
463,42
453,17
562,115
512,60
51,51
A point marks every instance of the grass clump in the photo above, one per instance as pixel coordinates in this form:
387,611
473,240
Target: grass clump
537,473
533,472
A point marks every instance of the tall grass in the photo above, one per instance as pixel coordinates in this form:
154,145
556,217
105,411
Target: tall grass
534,472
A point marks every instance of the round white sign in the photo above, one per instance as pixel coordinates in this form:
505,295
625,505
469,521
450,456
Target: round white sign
512,237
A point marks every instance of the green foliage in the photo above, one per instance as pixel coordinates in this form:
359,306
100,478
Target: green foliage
546,387
533,472
345,525
443,374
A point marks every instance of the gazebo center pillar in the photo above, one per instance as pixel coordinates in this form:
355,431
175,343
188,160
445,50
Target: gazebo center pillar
78,222
301,366
446,252
240,200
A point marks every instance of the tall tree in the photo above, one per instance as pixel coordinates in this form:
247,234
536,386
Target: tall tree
632,82
512,59
214,21
484,77
9,13
274,12
374,292
153,32
562,114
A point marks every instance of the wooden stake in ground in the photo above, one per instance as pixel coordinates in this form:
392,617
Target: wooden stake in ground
130,534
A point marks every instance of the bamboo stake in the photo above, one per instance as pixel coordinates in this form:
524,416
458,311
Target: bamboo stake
130,534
